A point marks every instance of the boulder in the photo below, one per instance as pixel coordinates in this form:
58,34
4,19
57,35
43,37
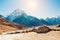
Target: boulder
58,25
42,30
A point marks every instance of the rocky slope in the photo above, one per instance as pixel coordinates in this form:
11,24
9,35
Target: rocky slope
6,26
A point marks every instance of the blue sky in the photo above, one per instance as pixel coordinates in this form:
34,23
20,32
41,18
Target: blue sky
38,8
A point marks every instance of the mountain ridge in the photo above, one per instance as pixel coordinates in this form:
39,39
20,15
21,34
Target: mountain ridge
27,20
20,17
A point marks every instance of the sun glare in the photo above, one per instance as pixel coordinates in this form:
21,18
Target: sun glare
31,5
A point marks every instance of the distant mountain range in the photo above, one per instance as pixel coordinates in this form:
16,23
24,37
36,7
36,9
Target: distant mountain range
20,17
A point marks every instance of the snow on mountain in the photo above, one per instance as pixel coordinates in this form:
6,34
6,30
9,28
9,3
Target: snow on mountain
20,17
15,14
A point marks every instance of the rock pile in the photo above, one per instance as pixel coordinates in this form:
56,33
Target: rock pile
58,25
42,29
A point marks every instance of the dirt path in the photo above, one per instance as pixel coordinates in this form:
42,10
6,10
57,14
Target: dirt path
53,35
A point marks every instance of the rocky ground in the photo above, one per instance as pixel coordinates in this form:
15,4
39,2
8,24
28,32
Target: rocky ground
51,35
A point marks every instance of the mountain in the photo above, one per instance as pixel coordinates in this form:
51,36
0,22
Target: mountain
20,17
2,16
15,14
44,22
53,20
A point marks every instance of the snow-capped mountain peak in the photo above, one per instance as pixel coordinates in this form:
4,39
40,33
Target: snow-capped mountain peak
16,13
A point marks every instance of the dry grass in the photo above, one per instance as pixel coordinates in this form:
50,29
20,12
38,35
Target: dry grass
6,26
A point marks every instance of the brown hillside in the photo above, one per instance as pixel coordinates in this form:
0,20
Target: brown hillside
9,26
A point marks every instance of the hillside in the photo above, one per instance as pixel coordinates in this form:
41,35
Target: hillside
9,26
